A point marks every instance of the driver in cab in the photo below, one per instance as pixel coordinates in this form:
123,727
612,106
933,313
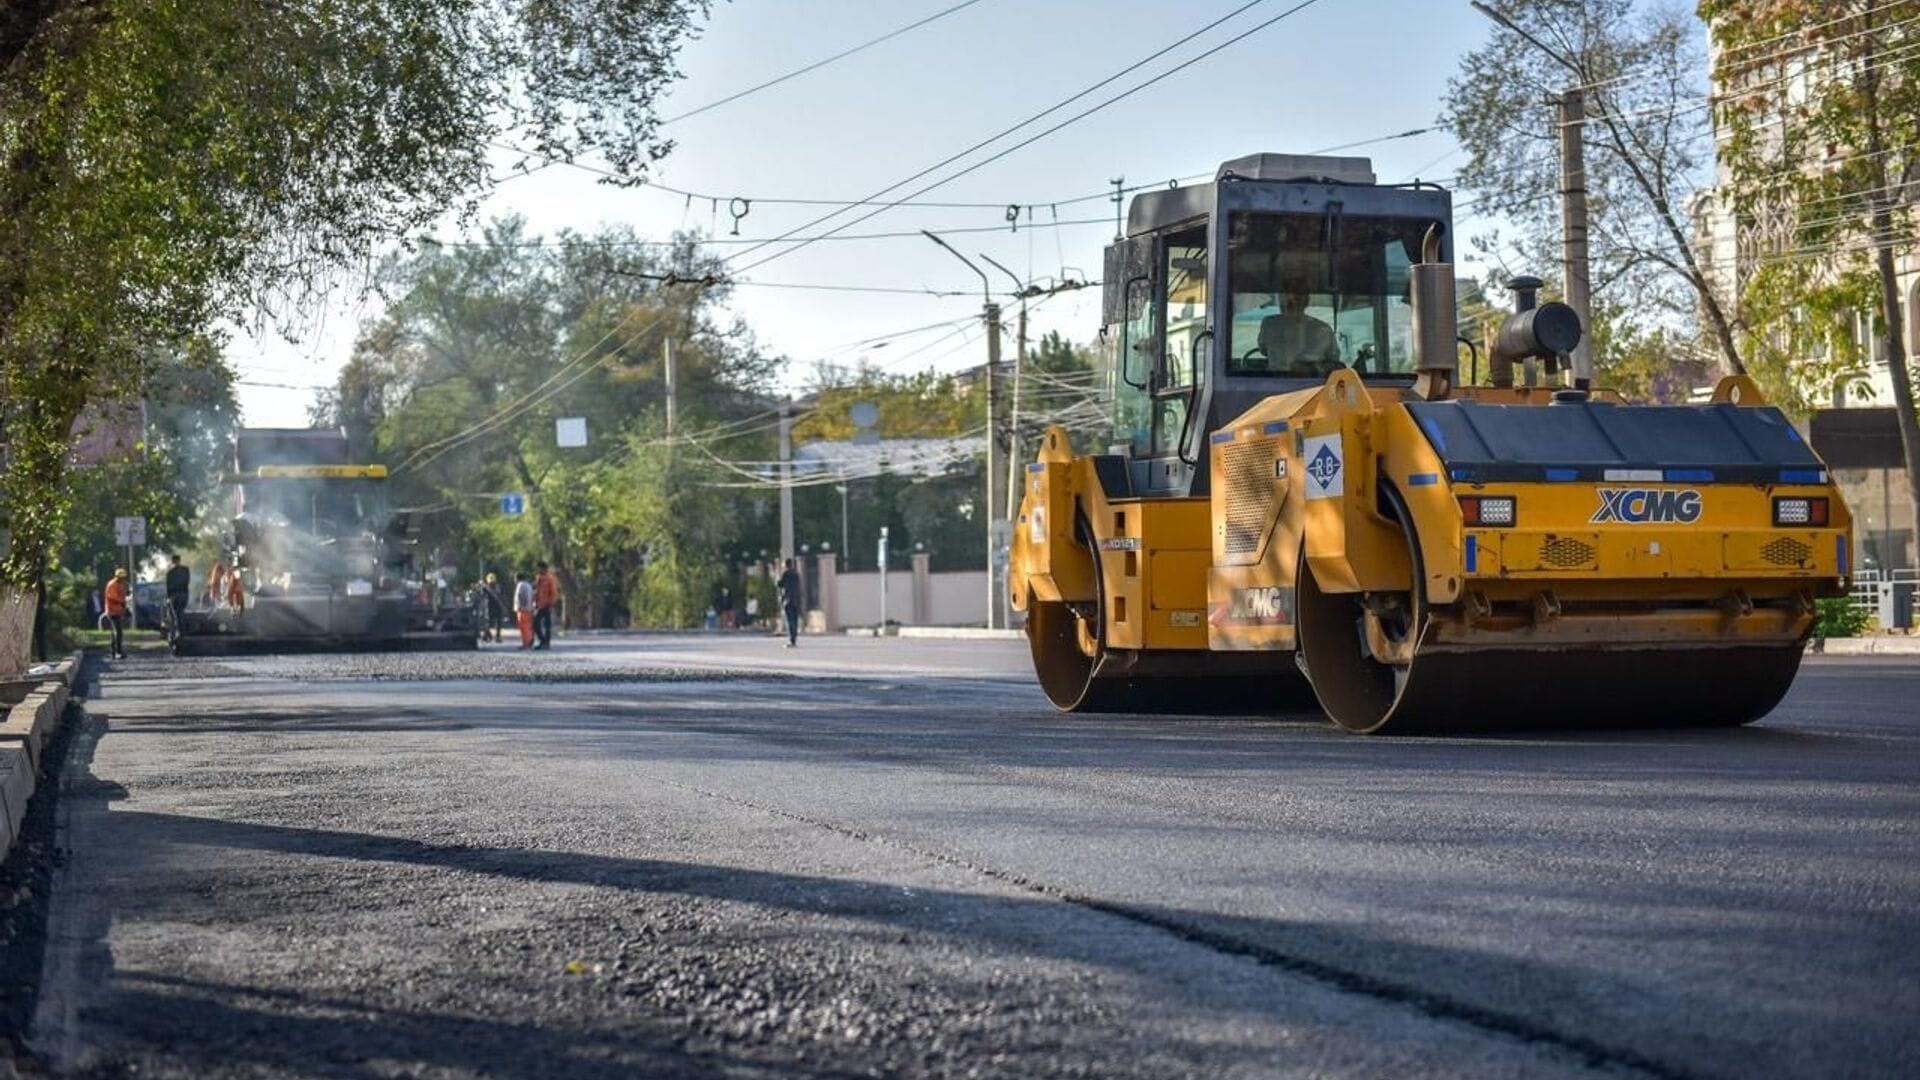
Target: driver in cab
1294,342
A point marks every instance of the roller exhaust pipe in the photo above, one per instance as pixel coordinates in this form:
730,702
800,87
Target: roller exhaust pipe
1435,323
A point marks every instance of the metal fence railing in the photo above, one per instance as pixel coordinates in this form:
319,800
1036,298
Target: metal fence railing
1887,595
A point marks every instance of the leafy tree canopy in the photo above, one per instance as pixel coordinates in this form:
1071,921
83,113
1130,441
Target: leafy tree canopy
1819,103
162,164
1640,68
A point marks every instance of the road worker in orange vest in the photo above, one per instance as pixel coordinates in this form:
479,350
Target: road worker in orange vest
118,596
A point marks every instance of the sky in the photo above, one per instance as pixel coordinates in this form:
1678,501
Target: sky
1336,72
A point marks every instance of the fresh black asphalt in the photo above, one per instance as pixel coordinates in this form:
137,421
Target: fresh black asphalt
698,856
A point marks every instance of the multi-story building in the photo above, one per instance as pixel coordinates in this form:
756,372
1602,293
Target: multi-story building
1733,245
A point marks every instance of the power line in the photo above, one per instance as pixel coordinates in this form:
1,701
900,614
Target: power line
818,64
554,384
1004,133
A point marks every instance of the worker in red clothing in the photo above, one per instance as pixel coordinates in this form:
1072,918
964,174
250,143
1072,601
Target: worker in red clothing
118,596
546,594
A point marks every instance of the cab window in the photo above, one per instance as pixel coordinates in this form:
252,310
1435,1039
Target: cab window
1314,292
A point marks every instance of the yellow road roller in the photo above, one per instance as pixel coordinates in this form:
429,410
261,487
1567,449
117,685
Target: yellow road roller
1300,496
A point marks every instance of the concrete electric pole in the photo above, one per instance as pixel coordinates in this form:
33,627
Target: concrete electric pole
786,482
1573,223
667,363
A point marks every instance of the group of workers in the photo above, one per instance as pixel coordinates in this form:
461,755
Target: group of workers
532,605
116,606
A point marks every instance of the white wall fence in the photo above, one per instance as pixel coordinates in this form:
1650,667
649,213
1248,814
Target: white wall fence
915,596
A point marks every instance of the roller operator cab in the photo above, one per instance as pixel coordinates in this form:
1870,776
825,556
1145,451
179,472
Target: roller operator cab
1297,498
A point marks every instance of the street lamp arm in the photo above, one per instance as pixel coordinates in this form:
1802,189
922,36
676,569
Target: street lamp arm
986,286
1019,287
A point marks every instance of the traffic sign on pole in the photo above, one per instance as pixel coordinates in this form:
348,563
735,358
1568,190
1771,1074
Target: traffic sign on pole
513,504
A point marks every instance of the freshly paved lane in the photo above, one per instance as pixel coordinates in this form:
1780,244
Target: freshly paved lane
714,856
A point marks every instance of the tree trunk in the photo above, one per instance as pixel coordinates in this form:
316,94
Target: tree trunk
1656,195
1882,234
16,629
1903,406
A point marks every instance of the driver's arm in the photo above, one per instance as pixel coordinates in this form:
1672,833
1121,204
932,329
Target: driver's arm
1326,350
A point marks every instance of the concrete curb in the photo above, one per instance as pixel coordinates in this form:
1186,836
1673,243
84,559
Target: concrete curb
24,731
1877,645
961,633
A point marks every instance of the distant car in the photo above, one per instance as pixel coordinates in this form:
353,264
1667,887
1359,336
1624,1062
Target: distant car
149,603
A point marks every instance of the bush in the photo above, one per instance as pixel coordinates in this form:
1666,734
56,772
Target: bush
1841,617
66,611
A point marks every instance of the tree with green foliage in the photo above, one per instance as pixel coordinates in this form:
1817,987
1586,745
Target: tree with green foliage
1819,104
458,384
175,477
162,165
1641,70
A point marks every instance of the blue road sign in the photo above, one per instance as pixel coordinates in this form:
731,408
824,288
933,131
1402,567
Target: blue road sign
513,504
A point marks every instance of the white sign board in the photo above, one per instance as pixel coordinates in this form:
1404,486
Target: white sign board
570,431
130,531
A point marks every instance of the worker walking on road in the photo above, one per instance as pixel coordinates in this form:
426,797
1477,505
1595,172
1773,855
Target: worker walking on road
523,608
546,594
179,588
117,597
493,608
790,602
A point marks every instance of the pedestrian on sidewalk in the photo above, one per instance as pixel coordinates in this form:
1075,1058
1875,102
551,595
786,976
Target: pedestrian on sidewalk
546,594
790,602
117,596
523,608
753,612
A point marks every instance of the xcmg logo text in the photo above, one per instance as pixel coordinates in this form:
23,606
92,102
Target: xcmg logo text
1636,506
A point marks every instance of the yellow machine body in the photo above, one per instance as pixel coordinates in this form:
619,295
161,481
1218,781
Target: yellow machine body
1652,573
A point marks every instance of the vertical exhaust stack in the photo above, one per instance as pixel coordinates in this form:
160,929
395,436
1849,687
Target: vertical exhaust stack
1435,324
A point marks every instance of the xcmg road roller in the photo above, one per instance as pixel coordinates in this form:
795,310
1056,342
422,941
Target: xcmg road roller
1300,494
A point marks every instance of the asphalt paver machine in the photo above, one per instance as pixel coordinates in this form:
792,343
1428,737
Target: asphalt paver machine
1299,495
321,560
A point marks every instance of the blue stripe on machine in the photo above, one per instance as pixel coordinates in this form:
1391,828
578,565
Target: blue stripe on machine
1222,436
1462,474
1422,479
1473,554
1803,476
1275,427
1689,476
1037,466
1562,476
1840,552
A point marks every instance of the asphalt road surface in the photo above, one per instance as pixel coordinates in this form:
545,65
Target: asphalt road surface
712,856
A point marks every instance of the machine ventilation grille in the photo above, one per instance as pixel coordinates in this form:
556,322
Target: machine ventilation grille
1565,552
1247,467
1785,552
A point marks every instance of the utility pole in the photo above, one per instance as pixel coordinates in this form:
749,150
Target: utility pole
1022,290
1573,224
786,481
995,523
667,361
990,311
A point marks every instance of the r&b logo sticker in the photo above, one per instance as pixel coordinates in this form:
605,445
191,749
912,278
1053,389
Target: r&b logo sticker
1325,472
